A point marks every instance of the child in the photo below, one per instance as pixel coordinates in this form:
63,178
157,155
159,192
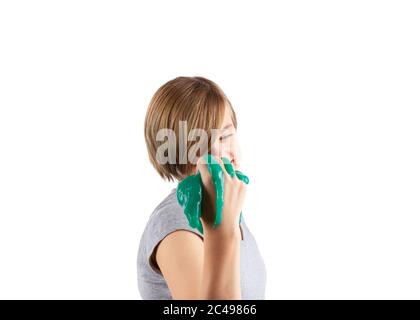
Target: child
174,260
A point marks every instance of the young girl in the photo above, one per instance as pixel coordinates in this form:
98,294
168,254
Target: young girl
174,260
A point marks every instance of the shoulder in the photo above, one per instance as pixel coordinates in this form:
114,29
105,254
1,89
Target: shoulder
165,219
169,216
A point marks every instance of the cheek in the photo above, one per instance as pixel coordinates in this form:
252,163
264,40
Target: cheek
236,151
237,155
234,146
222,149
229,149
217,149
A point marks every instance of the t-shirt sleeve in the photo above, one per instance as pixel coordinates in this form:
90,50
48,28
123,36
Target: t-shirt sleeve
165,220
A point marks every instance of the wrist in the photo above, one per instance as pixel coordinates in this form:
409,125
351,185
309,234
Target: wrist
223,232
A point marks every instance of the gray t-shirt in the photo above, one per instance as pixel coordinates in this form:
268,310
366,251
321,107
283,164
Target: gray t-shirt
168,217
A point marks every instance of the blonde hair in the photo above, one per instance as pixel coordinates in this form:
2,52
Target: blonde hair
198,101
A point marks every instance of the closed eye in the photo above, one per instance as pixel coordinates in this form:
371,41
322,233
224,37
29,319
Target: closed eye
225,137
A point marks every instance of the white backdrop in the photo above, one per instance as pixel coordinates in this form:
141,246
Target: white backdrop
327,98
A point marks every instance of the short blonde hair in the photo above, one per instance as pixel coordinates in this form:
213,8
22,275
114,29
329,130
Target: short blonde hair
198,101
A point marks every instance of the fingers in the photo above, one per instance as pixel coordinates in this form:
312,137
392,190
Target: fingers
226,174
228,166
210,160
242,177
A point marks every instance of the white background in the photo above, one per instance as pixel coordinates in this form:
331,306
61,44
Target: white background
327,98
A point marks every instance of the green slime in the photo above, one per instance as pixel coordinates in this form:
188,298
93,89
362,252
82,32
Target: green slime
189,191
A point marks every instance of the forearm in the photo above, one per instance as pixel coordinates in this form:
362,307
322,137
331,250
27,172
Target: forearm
221,267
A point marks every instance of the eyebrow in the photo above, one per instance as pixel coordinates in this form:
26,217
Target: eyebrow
227,126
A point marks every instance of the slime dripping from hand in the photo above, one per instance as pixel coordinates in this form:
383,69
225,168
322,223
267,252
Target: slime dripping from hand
189,191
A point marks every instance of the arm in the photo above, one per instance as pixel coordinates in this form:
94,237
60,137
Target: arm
206,269
197,269
221,267
180,259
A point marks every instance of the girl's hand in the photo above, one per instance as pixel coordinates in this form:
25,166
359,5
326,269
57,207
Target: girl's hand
233,198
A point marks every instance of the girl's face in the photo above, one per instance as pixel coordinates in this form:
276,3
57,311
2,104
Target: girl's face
226,142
